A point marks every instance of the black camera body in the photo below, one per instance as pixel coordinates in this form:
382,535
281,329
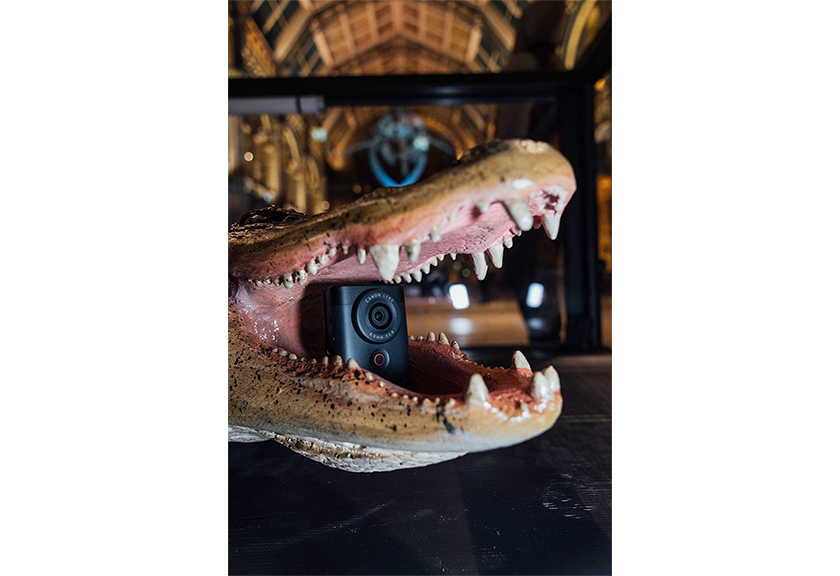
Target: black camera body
367,323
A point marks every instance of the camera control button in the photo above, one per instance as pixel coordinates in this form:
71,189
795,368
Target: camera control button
379,358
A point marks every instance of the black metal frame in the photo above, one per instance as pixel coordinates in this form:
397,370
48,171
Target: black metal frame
572,92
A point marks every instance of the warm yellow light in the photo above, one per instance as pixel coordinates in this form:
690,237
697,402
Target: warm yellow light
248,156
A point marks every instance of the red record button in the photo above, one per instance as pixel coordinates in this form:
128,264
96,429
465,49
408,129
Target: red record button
379,358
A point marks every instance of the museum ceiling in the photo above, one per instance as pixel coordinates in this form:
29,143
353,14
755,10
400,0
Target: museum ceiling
351,38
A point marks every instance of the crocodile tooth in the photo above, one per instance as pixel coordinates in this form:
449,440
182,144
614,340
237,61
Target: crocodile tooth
293,357
509,242
394,395
406,278
476,392
412,248
427,267
553,378
449,403
322,258
337,360
520,362
518,209
283,352
517,231
381,384
288,281
434,234
345,249
368,375
417,275
312,267
331,251
540,387
431,337
437,401
421,338
455,345
325,360
561,193
351,363
301,277
258,283
452,215
386,258
411,337
443,339
496,254
480,265
483,207
397,280
361,254
453,255
552,224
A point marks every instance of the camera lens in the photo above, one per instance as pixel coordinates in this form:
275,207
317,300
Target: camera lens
380,316
376,316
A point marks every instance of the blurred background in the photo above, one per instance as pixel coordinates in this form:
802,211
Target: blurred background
545,295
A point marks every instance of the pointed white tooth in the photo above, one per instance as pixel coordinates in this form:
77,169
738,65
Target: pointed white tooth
301,277
361,254
427,267
517,231
552,225
331,252
476,393
561,193
519,361
496,255
483,207
325,360
345,249
434,234
509,242
397,280
277,281
452,215
293,357
312,267
540,388
351,363
412,248
453,255
406,278
553,378
322,258
288,281
455,345
443,339
417,275
431,337
386,259
520,213
411,337
480,265
337,360
258,282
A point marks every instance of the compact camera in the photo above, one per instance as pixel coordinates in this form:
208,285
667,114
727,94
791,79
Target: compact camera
367,323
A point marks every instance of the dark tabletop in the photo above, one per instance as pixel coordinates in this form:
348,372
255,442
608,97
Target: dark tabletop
541,507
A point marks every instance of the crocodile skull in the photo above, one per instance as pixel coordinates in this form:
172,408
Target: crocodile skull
283,387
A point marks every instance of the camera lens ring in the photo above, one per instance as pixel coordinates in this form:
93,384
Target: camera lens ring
376,316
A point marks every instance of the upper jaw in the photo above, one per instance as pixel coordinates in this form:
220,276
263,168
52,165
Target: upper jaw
473,209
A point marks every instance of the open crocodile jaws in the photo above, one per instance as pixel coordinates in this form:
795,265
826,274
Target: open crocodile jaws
283,387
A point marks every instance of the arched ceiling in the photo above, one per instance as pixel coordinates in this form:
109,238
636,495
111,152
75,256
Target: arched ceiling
351,38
